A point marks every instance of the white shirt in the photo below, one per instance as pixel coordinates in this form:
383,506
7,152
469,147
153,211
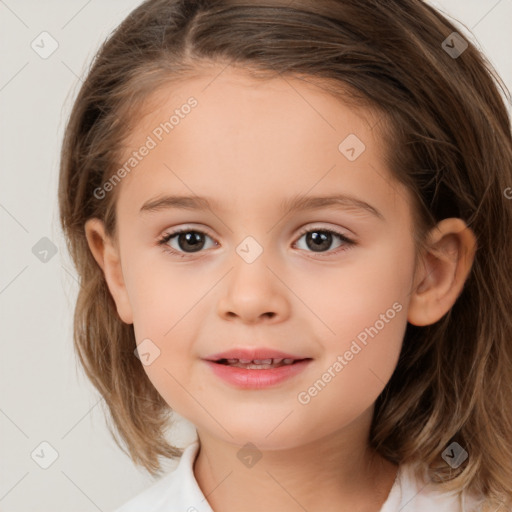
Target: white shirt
178,491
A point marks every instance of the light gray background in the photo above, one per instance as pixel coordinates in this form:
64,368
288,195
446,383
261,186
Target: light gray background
44,395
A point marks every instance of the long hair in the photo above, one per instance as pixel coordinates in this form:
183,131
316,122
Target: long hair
448,138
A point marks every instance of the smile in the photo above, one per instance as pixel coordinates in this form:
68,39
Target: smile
256,367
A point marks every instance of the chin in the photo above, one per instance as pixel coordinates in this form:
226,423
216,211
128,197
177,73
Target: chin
265,431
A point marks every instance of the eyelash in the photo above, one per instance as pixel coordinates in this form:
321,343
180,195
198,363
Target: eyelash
348,243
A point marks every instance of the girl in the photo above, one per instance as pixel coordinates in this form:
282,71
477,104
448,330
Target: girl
292,225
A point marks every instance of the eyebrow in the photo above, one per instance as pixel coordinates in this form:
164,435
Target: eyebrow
288,205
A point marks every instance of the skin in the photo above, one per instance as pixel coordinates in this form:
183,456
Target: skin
250,144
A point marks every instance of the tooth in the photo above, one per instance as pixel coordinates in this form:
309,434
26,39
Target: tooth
287,361
245,361
262,361
277,361
232,361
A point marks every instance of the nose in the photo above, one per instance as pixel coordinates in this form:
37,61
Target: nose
254,293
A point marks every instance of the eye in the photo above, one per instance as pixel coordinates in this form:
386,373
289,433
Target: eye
319,240
188,241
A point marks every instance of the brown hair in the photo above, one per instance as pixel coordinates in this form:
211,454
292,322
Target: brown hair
448,140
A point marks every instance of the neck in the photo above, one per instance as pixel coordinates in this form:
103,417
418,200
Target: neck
338,472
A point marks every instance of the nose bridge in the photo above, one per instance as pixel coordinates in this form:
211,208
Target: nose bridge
253,291
250,249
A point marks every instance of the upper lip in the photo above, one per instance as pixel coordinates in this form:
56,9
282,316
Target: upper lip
252,354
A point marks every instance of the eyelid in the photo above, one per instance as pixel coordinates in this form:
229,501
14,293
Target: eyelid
315,227
305,229
185,228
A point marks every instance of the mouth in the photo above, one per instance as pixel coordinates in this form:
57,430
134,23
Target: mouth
258,364
255,358
256,368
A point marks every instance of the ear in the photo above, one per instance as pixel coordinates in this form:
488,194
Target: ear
445,267
106,254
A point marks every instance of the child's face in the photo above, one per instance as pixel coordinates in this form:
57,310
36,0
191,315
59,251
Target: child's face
250,146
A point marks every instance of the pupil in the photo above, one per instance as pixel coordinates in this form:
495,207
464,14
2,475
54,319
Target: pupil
319,239
191,238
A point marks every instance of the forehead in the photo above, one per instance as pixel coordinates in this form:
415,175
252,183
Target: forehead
280,100
247,138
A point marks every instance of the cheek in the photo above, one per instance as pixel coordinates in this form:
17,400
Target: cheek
364,316
168,304
369,318
354,296
161,292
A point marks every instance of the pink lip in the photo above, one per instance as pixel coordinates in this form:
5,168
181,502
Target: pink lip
255,379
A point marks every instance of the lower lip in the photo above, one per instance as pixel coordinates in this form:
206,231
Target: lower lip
257,379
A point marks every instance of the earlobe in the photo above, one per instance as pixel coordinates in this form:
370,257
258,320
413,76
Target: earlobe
106,254
445,268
